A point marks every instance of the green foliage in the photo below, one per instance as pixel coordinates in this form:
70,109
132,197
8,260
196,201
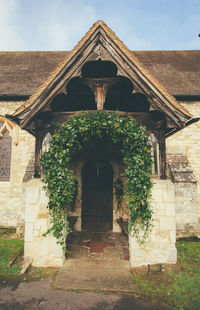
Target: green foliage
75,136
119,192
9,248
178,286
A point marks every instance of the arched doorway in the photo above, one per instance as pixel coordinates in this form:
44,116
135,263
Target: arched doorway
97,196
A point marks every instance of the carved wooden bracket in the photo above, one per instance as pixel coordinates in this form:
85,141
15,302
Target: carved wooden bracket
100,87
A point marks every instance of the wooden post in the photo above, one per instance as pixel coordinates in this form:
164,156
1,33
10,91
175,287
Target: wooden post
162,149
38,153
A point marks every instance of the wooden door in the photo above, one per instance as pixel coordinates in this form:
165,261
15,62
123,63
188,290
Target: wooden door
97,196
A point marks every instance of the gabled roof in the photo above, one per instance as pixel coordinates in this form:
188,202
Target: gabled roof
22,73
125,51
179,71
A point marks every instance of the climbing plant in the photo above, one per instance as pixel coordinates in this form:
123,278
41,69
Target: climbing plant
74,136
119,192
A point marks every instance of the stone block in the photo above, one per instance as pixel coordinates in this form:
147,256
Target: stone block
12,223
58,262
170,210
157,255
173,236
139,253
30,249
29,215
43,225
160,206
36,233
157,195
167,223
55,250
43,248
172,256
31,195
169,195
28,232
158,237
43,198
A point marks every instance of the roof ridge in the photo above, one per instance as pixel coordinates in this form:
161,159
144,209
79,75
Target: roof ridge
125,50
145,72
152,51
38,92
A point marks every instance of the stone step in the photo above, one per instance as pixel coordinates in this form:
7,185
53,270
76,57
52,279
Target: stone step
105,264
84,275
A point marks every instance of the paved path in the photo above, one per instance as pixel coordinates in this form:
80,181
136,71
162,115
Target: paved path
38,295
96,276
97,262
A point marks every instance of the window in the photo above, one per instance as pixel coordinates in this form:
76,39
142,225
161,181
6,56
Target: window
155,153
5,156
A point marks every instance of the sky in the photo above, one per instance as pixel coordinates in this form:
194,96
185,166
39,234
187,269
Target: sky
27,25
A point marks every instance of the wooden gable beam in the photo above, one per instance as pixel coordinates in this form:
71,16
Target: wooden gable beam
86,53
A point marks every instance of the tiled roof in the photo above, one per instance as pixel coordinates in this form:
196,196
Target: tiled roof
21,73
60,59
179,71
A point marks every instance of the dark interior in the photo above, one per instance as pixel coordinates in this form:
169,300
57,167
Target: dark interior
99,69
79,98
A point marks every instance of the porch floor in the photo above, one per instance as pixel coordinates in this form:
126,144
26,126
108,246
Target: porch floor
96,262
107,246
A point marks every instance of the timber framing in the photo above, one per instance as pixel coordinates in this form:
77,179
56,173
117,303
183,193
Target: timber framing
101,43
164,113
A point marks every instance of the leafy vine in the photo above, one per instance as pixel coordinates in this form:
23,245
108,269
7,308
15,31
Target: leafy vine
74,136
119,192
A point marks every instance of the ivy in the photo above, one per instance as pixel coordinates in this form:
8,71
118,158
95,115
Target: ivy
119,192
73,137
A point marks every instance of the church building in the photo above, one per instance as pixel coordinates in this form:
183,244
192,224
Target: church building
159,89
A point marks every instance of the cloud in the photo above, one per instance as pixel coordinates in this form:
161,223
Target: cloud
43,24
60,24
65,23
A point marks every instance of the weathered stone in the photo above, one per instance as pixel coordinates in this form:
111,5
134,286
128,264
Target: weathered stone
43,198
44,251
160,244
168,196
172,255
167,223
170,209
28,232
29,215
31,195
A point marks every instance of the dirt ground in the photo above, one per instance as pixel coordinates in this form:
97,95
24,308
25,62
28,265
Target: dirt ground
40,295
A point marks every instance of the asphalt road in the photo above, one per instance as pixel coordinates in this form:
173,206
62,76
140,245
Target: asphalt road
39,295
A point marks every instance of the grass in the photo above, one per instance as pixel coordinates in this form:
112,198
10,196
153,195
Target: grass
40,273
178,286
8,250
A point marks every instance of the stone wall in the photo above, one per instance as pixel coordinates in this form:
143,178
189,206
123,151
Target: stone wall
5,156
9,107
185,195
41,251
187,141
23,147
159,247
